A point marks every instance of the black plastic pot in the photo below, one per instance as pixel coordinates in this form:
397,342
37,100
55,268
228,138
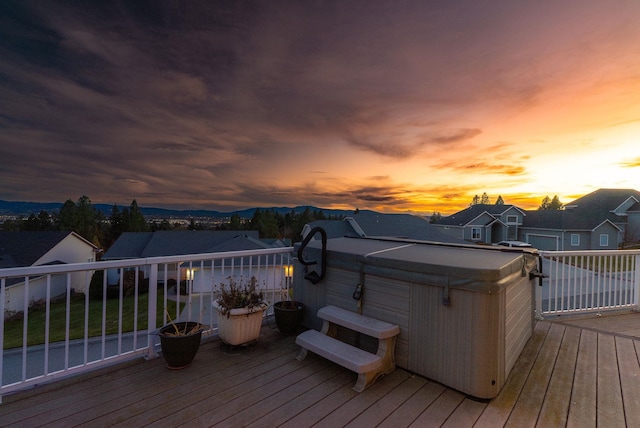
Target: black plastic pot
179,350
288,316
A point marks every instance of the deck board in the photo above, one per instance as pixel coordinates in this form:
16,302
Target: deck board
293,407
406,414
388,404
582,410
568,374
466,414
555,408
630,382
440,410
610,411
527,408
348,412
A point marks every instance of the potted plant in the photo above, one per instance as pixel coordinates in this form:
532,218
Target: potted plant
180,342
240,309
288,314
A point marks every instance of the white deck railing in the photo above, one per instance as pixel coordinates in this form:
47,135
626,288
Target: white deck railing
117,328
588,281
578,281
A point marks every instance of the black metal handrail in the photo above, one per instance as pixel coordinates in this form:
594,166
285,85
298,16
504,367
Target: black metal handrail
314,276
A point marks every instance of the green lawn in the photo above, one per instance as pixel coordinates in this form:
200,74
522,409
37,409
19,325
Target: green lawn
13,330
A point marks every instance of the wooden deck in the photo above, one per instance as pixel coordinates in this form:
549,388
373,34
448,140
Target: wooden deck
576,372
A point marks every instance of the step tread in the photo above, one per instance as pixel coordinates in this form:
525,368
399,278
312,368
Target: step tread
355,359
360,323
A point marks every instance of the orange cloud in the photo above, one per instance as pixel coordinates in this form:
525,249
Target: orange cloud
633,163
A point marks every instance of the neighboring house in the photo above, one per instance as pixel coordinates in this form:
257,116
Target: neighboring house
566,230
484,224
134,245
23,249
602,220
372,224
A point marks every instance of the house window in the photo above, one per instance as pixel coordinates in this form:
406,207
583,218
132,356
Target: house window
512,219
575,240
604,240
475,233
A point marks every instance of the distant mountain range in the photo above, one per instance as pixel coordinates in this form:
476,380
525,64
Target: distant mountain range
13,208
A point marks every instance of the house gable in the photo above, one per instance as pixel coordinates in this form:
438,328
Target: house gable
21,249
71,249
484,219
627,205
484,223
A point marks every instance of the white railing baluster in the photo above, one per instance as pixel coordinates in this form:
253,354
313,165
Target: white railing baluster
85,343
25,328
152,309
120,303
67,321
47,325
136,293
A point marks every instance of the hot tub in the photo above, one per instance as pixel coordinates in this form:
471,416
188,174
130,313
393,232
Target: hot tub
465,312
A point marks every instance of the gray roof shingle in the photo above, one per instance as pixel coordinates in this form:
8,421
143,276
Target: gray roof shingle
176,242
375,224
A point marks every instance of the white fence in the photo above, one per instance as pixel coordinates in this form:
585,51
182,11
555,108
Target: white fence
588,281
70,333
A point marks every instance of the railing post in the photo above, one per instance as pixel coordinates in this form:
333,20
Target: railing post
636,278
538,291
153,309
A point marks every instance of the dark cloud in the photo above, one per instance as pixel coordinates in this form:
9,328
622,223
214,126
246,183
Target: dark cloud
456,136
194,102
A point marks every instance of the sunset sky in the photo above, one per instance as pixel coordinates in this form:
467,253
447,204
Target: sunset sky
396,106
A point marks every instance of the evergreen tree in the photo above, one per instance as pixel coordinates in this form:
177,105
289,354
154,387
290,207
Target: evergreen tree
551,204
555,203
89,221
68,216
546,203
236,222
83,218
136,221
485,199
499,201
265,223
435,217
